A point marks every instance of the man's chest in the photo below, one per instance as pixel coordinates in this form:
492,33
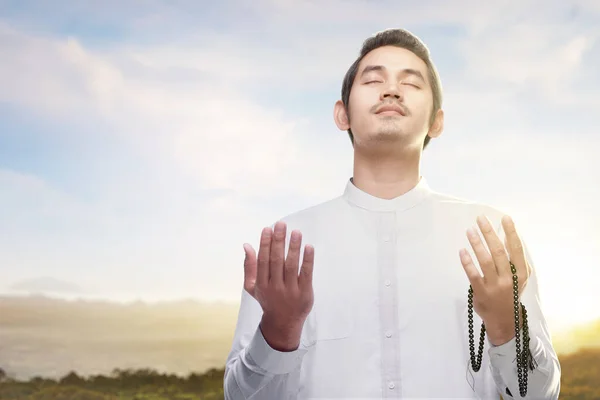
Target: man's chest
392,280
392,307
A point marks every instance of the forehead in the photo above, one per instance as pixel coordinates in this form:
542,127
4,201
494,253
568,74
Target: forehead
393,59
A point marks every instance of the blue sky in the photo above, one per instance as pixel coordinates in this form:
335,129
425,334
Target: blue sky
142,143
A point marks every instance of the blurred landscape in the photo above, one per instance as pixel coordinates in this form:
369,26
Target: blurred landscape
49,337
83,349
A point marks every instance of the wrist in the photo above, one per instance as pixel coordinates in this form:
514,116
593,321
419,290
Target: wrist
281,335
502,331
499,334
499,338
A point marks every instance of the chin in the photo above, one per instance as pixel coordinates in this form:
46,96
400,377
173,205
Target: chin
389,134
391,140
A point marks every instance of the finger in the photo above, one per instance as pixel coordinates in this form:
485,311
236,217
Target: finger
471,270
483,256
522,278
293,258
495,246
306,271
262,275
249,268
277,253
515,247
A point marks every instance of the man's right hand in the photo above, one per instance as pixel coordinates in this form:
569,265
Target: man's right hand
285,295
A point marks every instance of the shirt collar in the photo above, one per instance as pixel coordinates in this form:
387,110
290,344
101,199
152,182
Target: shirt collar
403,202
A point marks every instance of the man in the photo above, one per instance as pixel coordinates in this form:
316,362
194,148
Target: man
376,305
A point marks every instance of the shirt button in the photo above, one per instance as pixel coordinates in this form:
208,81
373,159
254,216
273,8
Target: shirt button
388,282
386,238
391,385
388,334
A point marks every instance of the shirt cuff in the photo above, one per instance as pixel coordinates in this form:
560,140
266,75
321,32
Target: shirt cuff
271,360
503,357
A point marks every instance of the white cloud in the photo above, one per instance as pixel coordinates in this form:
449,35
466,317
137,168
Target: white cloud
545,58
150,231
58,78
216,134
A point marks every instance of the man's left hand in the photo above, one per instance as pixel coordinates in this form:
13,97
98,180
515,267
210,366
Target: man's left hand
493,295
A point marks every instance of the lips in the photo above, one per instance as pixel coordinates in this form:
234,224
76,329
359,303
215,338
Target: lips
391,109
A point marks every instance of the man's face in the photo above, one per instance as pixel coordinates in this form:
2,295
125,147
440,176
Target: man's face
391,98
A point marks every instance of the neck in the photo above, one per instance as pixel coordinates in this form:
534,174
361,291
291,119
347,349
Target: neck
386,176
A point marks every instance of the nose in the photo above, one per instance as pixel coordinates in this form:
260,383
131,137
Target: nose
391,91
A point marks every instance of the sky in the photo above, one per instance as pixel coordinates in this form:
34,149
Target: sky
143,142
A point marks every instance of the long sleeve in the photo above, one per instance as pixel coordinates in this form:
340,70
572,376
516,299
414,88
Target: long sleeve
544,380
255,371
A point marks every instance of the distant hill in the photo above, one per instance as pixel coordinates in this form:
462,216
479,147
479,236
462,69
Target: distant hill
46,284
50,337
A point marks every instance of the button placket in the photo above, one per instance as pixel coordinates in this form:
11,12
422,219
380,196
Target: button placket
388,310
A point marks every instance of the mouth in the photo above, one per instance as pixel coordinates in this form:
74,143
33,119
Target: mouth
389,113
391,109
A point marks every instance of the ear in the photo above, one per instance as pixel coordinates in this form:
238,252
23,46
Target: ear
340,116
438,125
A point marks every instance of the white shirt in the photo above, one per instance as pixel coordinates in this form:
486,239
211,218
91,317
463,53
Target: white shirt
390,313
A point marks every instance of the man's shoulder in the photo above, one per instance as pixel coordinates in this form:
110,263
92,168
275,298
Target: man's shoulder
461,205
315,212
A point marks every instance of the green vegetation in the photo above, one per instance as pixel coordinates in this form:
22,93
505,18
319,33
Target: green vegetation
581,375
141,384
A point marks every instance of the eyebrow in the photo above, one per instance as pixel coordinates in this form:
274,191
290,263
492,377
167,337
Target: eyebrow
406,71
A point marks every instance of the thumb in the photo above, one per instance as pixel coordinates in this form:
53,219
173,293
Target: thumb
250,267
